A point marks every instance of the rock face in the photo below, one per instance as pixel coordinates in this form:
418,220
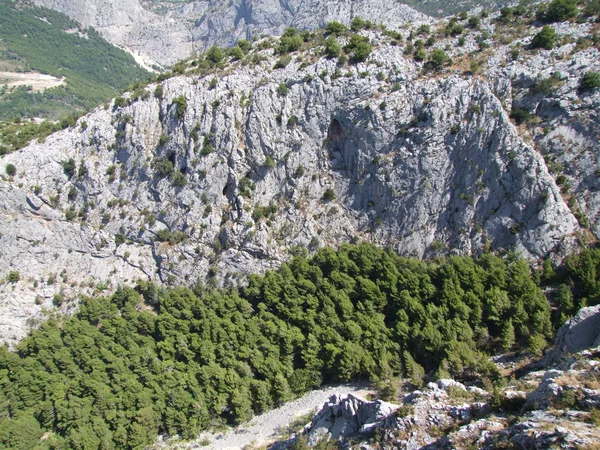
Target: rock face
579,333
196,25
209,180
344,416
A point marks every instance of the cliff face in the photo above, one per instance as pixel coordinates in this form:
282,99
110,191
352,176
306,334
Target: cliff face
212,179
197,25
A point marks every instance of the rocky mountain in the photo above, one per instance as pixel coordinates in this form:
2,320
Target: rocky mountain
209,177
197,25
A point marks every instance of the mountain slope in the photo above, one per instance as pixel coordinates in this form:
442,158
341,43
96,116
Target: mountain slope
197,25
206,178
42,40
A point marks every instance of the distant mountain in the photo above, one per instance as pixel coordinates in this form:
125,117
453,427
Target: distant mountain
45,41
184,27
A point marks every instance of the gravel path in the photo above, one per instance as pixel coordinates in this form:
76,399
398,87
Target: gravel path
263,429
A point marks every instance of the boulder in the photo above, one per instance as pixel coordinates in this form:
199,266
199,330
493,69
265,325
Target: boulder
343,416
579,333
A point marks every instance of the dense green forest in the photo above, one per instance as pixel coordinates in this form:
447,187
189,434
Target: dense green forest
43,40
178,360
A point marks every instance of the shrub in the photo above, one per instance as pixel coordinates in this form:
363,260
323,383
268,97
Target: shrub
283,62
520,115
545,38
163,166
178,178
245,45
13,276
181,104
11,170
590,80
332,47
282,89
207,147
164,139
560,10
159,92
69,167
334,27
214,55
420,54
438,59
269,163
236,53
546,86
359,48
290,41
172,237
328,195
357,24
474,22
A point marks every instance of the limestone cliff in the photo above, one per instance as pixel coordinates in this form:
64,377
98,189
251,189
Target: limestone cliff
209,178
196,25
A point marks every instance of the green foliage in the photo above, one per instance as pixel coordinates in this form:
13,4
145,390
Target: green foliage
520,115
13,276
10,169
358,24
245,45
335,28
438,59
163,166
214,55
264,211
591,80
180,103
358,48
546,86
474,22
282,89
545,38
290,41
159,91
328,195
283,62
172,237
69,167
420,54
333,49
16,134
37,39
560,10
269,162
120,373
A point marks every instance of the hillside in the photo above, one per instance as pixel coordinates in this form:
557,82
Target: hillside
169,31
363,202
88,69
223,171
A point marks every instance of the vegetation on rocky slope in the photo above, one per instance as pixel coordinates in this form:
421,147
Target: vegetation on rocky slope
176,360
45,41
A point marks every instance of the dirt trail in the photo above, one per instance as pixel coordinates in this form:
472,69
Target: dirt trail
38,81
266,428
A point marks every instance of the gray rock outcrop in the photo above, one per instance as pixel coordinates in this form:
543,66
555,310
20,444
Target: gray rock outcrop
579,333
196,25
